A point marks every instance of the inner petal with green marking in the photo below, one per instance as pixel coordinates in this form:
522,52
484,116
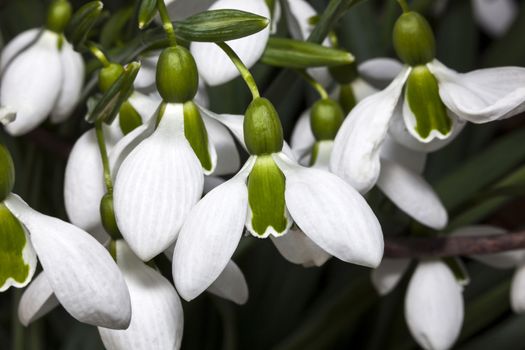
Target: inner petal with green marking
266,185
17,257
429,112
197,136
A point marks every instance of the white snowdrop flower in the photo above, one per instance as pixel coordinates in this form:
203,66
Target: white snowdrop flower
42,75
269,193
436,104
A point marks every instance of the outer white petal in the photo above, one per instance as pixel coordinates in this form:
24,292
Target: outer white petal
157,319
379,72
156,186
145,105
15,46
298,248
231,284
504,260
214,65
228,160
302,138
38,299
180,9
31,84
388,274
517,291
434,306
362,89
234,122
81,272
412,194
355,157
408,158
482,95
324,152
334,215
84,185
72,66
146,77
495,16
210,235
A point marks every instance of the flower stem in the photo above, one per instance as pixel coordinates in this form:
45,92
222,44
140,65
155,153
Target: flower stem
99,55
166,22
404,5
241,67
104,155
313,83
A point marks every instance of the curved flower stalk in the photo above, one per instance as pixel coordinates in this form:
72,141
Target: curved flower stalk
41,75
269,193
436,104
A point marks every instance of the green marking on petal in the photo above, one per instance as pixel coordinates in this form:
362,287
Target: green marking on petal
129,118
422,93
196,134
315,153
12,243
266,185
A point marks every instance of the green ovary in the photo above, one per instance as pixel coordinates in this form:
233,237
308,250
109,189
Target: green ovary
422,93
12,244
266,185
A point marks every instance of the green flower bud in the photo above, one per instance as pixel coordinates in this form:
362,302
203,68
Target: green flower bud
263,132
413,39
347,99
326,118
344,74
177,75
107,214
58,15
7,173
108,75
129,118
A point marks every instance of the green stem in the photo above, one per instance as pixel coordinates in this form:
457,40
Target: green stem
99,55
245,72
104,155
166,22
18,330
313,83
404,5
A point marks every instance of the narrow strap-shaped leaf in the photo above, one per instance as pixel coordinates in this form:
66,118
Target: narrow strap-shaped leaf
82,21
147,11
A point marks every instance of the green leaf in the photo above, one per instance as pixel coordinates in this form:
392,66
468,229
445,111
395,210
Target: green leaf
147,11
115,27
82,21
109,105
220,25
296,54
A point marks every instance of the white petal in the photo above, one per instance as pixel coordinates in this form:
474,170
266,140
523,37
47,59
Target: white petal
412,194
157,319
362,89
332,214
31,84
147,74
231,284
145,105
81,272
482,95
210,182
434,306
210,235
38,299
408,158
503,260
156,186
276,17
72,82
228,160
495,16
298,248
355,156
324,152
388,274
15,46
302,138
234,122
214,65
84,185
379,72
181,9
517,294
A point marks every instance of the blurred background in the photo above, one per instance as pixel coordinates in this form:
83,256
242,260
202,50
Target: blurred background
291,307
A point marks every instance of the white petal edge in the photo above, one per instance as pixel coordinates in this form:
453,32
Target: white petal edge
231,284
379,72
84,277
388,274
355,156
302,138
312,194
298,248
434,306
227,155
19,43
157,320
38,299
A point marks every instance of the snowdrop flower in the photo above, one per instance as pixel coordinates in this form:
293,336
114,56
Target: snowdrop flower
269,193
80,271
41,75
437,102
